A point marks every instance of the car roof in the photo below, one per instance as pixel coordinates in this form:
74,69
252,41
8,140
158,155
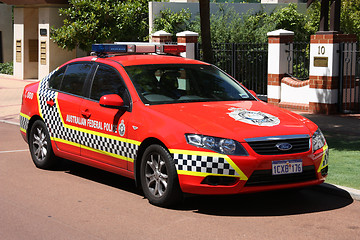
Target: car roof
142,59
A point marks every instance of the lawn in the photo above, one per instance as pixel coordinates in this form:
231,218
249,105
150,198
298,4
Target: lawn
344,160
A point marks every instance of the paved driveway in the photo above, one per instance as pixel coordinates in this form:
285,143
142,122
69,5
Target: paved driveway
79,202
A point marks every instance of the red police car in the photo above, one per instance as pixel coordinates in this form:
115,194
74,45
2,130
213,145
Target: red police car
174,125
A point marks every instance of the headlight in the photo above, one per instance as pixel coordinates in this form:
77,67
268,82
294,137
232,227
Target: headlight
318,140
220,145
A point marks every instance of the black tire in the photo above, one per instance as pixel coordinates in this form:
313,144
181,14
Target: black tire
40,146
159,178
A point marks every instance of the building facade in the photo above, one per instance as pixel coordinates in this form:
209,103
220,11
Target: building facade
34,53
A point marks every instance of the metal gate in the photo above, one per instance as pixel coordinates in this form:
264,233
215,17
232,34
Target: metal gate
298,60
349,78
246,62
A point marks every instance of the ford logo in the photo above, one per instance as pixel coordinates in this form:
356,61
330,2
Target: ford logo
284,146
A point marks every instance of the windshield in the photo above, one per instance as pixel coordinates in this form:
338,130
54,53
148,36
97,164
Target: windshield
175,83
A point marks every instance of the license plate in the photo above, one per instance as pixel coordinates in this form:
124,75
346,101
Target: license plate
287,167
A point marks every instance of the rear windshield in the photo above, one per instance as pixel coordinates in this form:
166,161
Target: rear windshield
176,83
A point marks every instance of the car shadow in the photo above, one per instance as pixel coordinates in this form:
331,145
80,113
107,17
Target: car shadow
99,176
273,203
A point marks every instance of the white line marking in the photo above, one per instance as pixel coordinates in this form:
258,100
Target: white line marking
23,150
9,122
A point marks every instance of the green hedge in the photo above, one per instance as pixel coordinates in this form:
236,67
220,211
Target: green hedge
6,68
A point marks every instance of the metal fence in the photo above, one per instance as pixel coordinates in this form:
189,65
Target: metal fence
246,62
349,81
298,60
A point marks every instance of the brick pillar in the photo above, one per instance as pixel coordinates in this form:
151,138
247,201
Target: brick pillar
189,39
324,71
277,62
161,37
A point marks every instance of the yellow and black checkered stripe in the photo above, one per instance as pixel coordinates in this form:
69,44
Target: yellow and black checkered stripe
24,122
202,164
325,158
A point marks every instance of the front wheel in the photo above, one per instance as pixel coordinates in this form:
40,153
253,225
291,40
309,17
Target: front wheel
40,146
159,179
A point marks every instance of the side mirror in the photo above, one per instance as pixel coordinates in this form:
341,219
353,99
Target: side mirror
112,101
254,94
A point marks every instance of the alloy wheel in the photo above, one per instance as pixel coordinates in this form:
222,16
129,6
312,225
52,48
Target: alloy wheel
156,175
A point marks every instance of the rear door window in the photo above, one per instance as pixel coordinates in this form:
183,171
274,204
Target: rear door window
55,80
74,78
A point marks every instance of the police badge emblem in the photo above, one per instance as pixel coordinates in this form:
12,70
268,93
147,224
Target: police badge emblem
253,117
121,128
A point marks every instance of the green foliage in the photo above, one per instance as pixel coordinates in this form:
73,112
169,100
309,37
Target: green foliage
229,26
290,19
350,17
254,26
96,21
172,22
313,14
6,68
224,25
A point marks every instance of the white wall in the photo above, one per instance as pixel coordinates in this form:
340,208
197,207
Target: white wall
19,35
279,1
55,56
294,94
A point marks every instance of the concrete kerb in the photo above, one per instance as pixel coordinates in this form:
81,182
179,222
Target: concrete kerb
340,191
354,193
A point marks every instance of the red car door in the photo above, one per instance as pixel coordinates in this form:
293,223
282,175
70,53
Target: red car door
61,111
105,137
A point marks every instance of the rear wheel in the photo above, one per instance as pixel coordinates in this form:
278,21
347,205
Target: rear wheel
159,179
40,146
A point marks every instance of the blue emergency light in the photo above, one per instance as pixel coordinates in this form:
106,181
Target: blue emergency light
109,48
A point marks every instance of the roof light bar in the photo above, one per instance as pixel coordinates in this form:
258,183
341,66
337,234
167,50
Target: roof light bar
140,47
135,47
174,49
145,49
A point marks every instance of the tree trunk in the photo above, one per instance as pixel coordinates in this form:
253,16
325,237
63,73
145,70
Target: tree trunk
205,30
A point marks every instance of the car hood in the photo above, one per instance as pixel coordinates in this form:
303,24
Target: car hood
236,120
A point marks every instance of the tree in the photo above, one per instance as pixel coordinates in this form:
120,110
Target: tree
204,6
349,18
172,22
229,26
97,21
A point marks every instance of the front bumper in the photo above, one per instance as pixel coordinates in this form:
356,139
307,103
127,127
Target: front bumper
252,173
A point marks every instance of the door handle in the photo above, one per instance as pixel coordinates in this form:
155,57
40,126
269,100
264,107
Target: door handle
86,113
50,103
